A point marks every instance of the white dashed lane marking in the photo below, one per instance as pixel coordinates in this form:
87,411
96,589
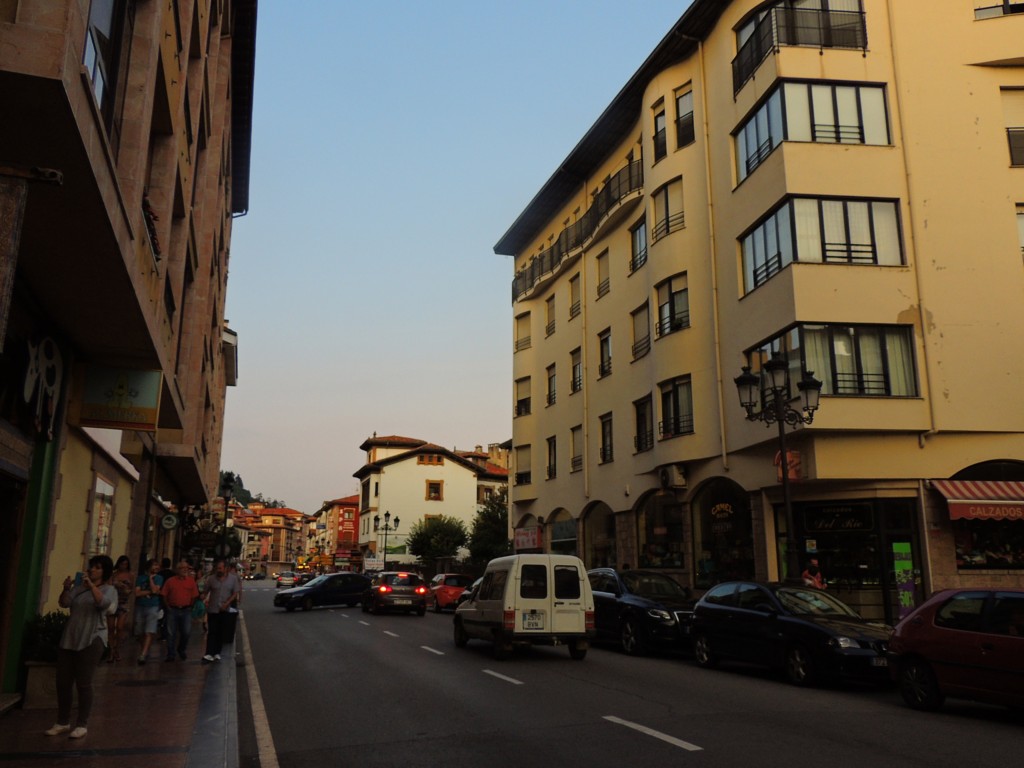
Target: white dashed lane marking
656,734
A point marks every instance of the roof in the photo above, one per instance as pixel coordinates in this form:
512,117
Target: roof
419,450
612,126
392,441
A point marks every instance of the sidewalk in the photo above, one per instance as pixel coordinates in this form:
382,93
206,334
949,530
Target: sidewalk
180,714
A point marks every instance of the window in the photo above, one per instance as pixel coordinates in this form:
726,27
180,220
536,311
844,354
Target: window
533,582
523,396
644,412
604,346
435,490
523,332
111,22
607,446
863,360
641,331
684,119
668,209
1013,111
816,230
551,385
523,474
574,296
993,9
638,245
676,407
102,513
576,448
603,280
660,143
962,611
549,316
673,305
567,582
817,112
576,361
552,458
430,458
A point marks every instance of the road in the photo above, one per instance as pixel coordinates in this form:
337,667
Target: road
343,688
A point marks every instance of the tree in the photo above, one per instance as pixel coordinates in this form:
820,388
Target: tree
436,538
489,535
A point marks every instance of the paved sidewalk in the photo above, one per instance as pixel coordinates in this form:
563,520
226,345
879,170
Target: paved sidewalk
180,714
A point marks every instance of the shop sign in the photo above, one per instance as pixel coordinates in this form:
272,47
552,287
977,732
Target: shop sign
839,518
527,538
119,398
975,510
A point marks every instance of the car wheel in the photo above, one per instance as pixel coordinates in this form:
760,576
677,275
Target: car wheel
577,650
800,665
307,604
702,652
461,638
629,638
919,687
289,608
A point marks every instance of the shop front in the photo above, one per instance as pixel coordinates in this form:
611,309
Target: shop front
563,533
723,537
988,523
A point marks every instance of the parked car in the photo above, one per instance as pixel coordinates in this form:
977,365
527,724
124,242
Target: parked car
396,591
523,600
329,589
256,576
805,631
286,579
962,643
446,588
641,610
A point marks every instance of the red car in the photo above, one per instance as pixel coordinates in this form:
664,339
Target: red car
961,643
445,589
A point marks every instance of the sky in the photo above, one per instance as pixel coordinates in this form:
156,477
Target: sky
393,144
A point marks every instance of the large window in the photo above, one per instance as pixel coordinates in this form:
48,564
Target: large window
549,315
574,296
676,407
523,340
523,396
551,385
576,361
644,411
820,112
524,475
638,245
668,209
603,278
641,331
607,444
552,466
1013,112
818,230
660,142
576,448
684,119
673,305
106,57
604,346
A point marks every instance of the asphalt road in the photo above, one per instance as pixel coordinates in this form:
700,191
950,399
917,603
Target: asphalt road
344,688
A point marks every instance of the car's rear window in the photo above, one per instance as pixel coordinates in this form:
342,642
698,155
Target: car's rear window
567,582
533,582
457,581
403,580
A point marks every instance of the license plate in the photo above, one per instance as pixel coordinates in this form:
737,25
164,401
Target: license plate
533,621
401,601
880,661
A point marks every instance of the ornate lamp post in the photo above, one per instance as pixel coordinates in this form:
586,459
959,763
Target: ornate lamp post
770,391
385,529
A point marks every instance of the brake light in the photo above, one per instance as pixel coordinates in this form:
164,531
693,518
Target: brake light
588,620
384,588
421,590
509,620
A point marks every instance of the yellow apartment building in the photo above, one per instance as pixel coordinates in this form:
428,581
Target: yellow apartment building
124,158
817,188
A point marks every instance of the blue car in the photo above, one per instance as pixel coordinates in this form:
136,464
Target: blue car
640,611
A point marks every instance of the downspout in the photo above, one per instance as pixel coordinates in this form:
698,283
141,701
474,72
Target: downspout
911,239
584,367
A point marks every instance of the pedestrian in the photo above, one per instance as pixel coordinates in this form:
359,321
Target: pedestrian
124,582
812,575
179,593
147,606
223,590
90,597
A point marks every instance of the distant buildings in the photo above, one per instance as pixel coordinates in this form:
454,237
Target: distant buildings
838,184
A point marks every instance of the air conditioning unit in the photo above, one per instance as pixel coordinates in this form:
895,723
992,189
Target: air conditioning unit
672,476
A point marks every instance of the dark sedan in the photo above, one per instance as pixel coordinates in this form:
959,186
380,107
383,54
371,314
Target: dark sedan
396,591
806,632
640,610
329,589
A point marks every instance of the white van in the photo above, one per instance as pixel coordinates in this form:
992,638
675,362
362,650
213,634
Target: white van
529,600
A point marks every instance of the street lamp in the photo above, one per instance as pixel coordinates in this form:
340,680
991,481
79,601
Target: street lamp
386,529
773,399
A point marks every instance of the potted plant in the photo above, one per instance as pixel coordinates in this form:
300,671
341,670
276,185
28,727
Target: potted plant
39,651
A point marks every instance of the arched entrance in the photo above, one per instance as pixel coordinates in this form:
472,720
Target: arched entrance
599,536
723,535
660,531
562,532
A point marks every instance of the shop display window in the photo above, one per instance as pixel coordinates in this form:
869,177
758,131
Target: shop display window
989,544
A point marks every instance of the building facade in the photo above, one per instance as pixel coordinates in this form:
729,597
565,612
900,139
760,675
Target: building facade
834,184
406,481
124,157
334,536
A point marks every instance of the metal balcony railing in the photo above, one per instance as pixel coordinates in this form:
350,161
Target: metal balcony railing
677,425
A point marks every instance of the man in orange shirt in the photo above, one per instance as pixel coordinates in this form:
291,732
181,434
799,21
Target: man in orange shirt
179,593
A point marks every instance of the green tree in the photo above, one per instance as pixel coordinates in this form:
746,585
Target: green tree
436,538
488,537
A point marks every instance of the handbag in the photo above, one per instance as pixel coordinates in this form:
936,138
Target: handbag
198,608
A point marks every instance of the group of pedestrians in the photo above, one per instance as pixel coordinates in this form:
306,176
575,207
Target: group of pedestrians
98,602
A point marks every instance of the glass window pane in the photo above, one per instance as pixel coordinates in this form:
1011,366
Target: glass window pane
887,234
876,127
824,115
849,119
808,230
798,113
834,223
785,234
817,357
900,358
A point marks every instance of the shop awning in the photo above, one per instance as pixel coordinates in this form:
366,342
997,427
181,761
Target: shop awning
983,499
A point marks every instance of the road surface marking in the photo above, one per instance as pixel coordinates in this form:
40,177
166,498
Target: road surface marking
264,739
389,632
432,650
364,623
656,734
503,677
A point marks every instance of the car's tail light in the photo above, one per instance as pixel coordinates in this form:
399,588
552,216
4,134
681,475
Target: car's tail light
421,590
509,618
588,620
384,588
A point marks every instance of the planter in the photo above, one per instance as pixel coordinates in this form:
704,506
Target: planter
40,685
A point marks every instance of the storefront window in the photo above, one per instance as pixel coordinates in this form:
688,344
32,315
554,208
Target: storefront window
563,534
661,532
989,544
99,520
722,534
599,534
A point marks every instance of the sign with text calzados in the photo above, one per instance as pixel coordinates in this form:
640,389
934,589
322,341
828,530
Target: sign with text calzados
119,398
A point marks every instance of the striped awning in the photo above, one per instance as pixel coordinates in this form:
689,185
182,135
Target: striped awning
983,499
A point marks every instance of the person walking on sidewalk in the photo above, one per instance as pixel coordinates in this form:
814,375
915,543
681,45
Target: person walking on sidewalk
124,582
147,606
179,593
223,590
89,599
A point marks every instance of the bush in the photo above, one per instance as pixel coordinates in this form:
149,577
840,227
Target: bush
42,636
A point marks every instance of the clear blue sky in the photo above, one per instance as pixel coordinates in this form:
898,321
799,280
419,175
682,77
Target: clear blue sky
394,143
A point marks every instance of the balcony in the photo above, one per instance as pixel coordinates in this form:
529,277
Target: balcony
797,26
678,425
626,182
644,441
